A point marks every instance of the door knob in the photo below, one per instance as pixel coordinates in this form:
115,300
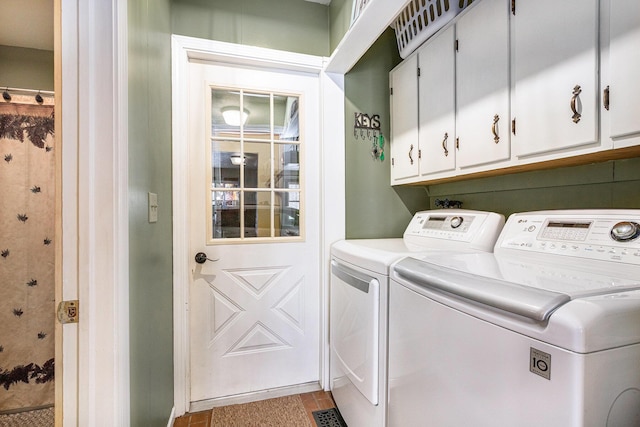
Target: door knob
201,258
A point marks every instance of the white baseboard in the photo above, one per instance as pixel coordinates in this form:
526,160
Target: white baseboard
172,417
204,405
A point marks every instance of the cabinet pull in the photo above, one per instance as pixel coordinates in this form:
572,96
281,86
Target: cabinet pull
574,100
494,128
444,144
605,98
410,154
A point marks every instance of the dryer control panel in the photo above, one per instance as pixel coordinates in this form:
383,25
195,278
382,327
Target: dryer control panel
462,229
607,235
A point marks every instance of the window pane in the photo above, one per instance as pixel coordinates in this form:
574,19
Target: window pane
258,106
287,168
257,169
257,214
286,118
226,214
225,113
288,213
226,159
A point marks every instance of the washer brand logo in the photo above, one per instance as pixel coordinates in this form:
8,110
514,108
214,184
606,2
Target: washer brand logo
540,363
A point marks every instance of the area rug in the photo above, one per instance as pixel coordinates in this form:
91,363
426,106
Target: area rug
285,411
38,418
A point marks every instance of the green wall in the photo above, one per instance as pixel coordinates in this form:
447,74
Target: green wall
339,21
373,208
150,245
290,25
26,68
613,184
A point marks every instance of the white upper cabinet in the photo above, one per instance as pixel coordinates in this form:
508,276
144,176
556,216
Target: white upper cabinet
624,86
404,124
482,84
556,75
436,63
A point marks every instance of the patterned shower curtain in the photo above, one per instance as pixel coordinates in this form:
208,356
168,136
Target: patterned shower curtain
27,206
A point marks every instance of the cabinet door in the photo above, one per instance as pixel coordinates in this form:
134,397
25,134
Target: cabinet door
404,120
437,104
556,71
482,84
624,91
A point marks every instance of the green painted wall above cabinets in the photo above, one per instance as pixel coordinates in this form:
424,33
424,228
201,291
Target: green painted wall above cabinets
609,185
373,208
290,25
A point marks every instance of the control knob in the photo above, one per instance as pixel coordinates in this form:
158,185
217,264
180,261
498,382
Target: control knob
625,231
456,221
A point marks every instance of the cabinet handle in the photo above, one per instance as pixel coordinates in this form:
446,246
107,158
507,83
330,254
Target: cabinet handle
574,99
605,98
444,144
410,154
494,128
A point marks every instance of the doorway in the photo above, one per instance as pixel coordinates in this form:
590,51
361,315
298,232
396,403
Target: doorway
196,283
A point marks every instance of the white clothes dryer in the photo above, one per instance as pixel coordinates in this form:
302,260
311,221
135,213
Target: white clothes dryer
545,331
358,306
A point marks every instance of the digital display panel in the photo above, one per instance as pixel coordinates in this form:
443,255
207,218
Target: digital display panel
569,224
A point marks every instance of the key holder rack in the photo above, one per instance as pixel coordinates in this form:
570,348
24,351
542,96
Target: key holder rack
367,127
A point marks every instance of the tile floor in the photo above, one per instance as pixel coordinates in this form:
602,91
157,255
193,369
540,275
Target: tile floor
313,401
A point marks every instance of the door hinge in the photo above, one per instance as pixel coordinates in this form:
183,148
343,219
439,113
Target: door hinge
457,143
393,163
605,98
391,91
68,312
513,7
513,126
419,154
457,45
418,71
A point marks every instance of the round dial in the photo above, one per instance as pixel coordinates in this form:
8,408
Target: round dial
625,231
456,221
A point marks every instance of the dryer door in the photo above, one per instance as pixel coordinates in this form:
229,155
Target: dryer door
355,309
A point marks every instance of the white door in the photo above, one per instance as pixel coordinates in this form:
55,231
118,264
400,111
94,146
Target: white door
254,192
437,104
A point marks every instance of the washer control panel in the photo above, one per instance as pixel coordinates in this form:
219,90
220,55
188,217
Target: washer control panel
611,235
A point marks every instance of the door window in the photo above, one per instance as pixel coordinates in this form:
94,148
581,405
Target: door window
255,152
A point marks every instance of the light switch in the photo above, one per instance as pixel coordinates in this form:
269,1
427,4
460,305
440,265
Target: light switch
153,207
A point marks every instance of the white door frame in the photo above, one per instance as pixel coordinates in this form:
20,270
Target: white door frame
92,357
332,200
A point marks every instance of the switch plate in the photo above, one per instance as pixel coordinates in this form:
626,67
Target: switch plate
153,207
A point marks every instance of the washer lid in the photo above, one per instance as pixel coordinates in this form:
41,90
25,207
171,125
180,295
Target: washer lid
532,290
375,255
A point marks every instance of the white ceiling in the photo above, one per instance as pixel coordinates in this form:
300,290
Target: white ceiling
29,23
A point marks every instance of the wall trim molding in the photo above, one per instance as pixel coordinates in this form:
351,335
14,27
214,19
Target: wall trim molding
93,99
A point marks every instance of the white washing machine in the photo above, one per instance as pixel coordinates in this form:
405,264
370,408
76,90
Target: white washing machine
358,308
545,331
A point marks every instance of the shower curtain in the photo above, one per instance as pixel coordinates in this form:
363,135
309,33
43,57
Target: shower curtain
27,206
